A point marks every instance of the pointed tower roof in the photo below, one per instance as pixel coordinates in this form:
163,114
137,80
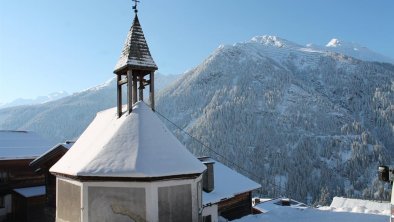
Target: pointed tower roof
135,53
136,145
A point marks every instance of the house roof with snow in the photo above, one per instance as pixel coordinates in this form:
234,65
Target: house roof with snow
228,183
135,53
21,145
135,145
272,204
31,191
58,149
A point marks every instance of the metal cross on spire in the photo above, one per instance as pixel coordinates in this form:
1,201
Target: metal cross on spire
135,5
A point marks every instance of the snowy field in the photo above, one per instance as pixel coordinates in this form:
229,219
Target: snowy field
341,210
340,204
312,215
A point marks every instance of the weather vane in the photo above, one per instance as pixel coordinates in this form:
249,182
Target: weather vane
135,5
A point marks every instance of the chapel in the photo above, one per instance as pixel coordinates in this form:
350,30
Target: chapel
127,166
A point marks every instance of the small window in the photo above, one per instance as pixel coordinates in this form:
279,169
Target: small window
3,176
2,202
207,218
199,195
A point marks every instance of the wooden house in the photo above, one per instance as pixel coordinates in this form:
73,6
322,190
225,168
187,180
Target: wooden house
262,205
28,204
43,163
227,193
17,150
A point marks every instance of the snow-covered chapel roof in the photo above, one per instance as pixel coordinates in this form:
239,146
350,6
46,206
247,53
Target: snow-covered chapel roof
136,145
135,53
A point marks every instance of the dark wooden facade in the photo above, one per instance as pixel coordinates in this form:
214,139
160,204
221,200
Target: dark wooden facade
29,209
18,174
236,207
43,164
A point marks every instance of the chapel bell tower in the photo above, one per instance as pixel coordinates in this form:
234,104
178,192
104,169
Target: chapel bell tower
134,65
129,167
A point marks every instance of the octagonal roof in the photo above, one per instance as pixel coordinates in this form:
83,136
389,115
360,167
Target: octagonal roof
136,145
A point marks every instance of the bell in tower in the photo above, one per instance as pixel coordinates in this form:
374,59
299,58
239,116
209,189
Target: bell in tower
134,65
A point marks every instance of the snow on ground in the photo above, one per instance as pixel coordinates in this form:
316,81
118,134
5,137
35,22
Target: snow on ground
312,215
341,210
340,204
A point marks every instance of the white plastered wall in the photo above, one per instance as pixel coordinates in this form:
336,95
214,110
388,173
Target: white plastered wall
72,182
151,190
211,210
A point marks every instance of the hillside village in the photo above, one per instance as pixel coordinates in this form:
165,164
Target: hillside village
141,160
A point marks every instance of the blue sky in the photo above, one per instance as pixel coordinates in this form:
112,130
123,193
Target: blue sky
53,45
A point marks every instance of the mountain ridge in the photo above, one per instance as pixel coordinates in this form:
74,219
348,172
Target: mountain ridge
289,108
335,45
38,100
66,118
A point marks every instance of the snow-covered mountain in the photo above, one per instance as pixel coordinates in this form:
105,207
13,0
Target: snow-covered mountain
40,99
352,49
309,121
66,118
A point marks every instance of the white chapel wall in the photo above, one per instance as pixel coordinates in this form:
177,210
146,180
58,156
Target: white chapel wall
117,204
68,202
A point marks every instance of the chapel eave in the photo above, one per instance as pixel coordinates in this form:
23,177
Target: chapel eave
123,69
127,179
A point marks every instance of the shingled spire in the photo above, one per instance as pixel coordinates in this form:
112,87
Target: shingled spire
134,64
135,53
